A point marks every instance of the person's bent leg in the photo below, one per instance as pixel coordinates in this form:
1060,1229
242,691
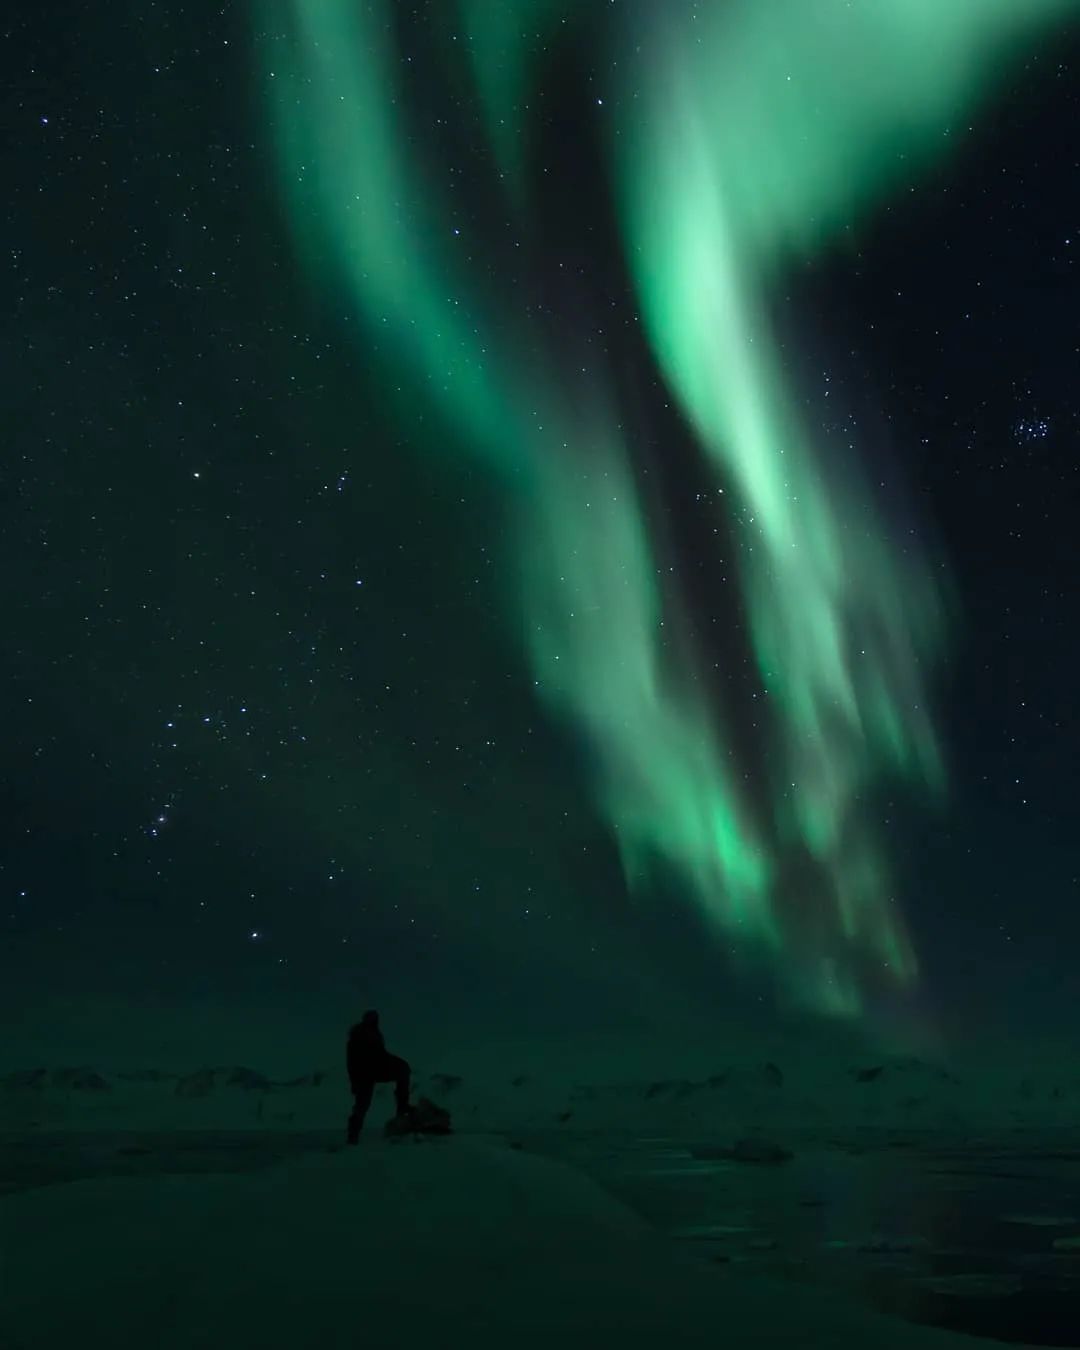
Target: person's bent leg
400,1073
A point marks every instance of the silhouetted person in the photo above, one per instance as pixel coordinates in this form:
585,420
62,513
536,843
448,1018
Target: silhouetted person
369,1062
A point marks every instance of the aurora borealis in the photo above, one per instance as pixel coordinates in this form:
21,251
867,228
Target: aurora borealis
539,516
733,151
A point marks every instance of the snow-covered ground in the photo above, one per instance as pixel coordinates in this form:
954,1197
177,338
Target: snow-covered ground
463,1241
469,1240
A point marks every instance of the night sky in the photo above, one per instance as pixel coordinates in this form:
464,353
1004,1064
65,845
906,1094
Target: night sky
274,750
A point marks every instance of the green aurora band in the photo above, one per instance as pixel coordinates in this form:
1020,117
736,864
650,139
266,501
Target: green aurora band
742,135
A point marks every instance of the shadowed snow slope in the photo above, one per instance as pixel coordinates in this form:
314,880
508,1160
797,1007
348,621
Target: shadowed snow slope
457,1242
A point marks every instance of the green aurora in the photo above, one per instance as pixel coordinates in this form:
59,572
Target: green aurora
741,137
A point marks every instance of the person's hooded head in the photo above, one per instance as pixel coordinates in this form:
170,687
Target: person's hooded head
367,1025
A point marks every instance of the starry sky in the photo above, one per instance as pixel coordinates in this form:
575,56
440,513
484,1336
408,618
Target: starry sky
275,751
